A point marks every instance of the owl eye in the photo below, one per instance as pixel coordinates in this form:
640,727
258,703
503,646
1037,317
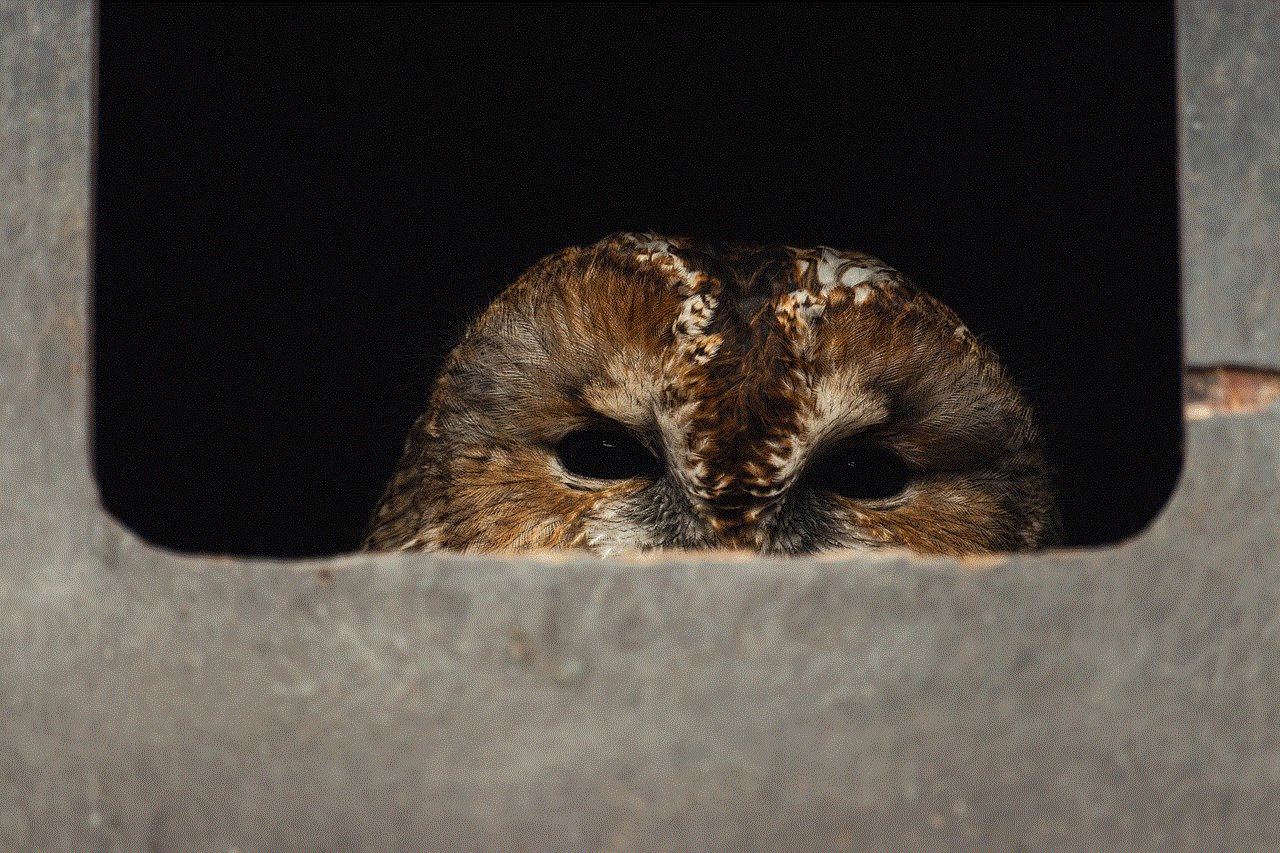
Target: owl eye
604,454
860,469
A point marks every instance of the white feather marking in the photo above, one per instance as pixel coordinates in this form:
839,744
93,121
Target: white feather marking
828,260
838,269
855,275
695,316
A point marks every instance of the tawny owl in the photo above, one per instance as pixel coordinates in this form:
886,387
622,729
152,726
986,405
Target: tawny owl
647,393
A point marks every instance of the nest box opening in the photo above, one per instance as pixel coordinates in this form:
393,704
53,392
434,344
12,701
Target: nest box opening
297,212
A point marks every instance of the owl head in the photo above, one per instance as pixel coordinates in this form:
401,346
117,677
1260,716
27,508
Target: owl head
647,393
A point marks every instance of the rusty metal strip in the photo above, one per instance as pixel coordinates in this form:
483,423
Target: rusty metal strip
1227,391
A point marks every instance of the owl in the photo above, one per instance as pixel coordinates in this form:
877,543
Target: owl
651,393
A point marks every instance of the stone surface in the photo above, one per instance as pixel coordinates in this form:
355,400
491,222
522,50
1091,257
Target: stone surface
1229,159
1122,698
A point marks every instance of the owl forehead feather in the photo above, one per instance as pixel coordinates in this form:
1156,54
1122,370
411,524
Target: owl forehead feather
663,321
656,294
718,285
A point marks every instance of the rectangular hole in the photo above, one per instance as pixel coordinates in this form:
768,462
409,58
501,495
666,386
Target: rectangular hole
289,235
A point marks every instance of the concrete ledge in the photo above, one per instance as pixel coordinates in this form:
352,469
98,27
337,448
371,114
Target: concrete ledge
1119,699
1124,698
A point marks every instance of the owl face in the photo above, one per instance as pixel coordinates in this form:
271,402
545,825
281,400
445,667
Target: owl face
645,393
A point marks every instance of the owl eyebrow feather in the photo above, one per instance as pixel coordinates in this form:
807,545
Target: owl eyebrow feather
587,417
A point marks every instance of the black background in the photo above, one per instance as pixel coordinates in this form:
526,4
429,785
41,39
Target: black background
299,207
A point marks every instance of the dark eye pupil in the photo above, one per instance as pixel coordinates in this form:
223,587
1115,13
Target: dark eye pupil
606,455
862,470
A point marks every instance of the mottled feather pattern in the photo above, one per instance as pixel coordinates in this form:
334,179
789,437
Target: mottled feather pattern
741,370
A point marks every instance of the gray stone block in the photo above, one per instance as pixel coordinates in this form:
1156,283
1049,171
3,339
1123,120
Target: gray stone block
1229,105
1118,698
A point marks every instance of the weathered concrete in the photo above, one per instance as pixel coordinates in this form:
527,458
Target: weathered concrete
1229,127
1124,698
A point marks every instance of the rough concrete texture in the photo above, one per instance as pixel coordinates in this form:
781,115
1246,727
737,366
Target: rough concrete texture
1123,698
1229,128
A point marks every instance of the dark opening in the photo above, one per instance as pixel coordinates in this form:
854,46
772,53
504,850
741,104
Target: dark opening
298,208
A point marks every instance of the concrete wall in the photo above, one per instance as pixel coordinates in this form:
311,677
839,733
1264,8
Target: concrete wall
1123,698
